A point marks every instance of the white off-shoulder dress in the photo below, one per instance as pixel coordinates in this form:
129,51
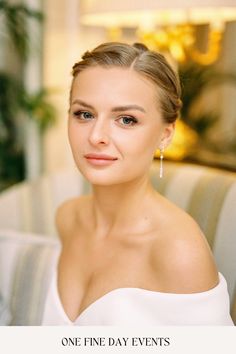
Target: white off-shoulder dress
140,307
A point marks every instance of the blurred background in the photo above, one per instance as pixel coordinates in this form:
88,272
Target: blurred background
41,40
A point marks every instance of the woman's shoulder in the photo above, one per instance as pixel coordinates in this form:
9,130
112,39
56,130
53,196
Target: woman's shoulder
182,256
68,215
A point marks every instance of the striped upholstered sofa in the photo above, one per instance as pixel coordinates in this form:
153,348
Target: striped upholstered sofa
29,245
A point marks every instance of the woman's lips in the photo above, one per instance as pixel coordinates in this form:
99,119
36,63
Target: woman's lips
100,159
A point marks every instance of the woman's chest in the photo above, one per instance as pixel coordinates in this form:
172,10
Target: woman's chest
86,274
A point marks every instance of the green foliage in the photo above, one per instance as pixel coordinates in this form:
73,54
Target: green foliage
11,151
38,108
14,98
16,19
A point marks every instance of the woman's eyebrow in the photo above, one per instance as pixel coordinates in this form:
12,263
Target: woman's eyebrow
128,107
114,109
82,103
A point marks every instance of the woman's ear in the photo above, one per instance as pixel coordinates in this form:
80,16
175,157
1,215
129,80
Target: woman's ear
167,135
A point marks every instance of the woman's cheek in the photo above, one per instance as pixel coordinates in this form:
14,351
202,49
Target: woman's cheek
143,144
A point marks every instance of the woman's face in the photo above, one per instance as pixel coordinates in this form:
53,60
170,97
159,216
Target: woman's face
114,125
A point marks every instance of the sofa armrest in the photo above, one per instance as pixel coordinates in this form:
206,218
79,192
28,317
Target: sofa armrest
33,203
26,265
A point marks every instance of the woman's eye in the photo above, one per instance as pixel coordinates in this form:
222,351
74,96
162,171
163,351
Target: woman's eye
126,120
83,115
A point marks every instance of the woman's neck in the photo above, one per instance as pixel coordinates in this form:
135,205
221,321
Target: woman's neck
117,208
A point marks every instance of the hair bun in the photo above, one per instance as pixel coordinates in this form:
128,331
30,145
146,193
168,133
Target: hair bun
140,46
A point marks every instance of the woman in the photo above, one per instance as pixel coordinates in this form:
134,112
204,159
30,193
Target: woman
128,256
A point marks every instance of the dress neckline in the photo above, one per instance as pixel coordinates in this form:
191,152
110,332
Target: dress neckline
130,290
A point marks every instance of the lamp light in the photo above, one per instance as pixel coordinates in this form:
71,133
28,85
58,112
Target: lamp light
167,26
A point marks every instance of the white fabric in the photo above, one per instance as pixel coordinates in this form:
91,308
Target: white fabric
140,307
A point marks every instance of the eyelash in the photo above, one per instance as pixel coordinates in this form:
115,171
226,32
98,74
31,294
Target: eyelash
79,115
131,119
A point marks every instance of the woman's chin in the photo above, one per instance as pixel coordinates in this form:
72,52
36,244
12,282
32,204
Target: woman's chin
104,179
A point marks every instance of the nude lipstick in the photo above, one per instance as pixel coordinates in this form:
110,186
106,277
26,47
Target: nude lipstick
100,159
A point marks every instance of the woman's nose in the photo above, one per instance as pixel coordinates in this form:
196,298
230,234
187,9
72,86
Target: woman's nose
99,133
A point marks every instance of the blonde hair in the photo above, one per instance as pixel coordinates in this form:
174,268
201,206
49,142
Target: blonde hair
150,64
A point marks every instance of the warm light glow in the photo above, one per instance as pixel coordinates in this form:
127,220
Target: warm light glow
180,42
183,144
162,17
168,27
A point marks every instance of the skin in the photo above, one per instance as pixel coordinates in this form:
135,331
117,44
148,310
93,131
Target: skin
125,234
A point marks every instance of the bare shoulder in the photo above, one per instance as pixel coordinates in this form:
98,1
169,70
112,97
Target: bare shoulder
68,216
185,263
